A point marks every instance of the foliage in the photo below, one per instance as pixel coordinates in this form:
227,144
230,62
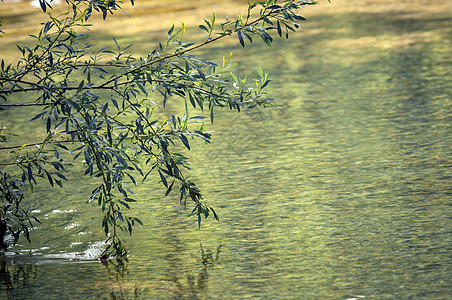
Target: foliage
102,107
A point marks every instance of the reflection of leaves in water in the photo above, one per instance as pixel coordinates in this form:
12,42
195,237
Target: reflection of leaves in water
196,284
117,269
15,281
208,259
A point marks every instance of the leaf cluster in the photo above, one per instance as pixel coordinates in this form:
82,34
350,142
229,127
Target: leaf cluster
107,108
17,220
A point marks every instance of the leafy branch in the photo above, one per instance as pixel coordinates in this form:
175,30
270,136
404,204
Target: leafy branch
107,107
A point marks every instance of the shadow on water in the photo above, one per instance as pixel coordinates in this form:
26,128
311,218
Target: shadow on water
16,280
21,277
183,282
13,281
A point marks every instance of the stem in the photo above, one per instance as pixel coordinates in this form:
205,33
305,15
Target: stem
29,67
184,51
32,144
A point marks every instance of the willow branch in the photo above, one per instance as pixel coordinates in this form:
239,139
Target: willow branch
34,144
224,34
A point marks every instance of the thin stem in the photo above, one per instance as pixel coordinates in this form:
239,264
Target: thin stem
33,144
184,51
22,105
29,67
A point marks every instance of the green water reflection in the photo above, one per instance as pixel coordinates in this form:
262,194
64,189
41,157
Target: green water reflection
343,193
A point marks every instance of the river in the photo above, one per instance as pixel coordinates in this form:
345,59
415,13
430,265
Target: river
342,193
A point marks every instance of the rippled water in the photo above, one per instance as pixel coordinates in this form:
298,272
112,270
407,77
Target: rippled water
343,193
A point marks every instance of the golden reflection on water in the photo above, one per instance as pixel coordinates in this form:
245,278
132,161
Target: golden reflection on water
343,192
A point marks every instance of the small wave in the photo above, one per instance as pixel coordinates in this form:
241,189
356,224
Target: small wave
73,225
57,211
92,253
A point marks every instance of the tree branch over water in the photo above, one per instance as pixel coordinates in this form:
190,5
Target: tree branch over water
112,107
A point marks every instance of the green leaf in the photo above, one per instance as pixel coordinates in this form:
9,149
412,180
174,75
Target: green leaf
49,178
141,87
208,24
200,72
170,32
265,84
192,101
169,189
48,124
129,226
47,27
240,37
80,86
211,114
214,214
116,42
30,172
59,183
185,141
165,183
38,116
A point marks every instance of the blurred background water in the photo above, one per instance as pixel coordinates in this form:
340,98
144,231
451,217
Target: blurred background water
344,192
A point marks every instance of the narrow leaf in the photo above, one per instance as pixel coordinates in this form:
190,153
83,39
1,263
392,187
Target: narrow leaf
185,141
165,183
240,36
169,189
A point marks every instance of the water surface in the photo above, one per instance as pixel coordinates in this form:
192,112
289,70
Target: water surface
342,193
